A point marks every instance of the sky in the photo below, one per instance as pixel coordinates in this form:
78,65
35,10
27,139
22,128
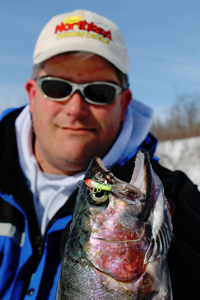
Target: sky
162,39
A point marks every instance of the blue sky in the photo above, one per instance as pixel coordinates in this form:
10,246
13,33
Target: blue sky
162,39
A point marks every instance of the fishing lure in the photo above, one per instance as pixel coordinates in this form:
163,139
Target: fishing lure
97,186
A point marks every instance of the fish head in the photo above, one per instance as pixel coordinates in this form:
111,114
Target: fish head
112,228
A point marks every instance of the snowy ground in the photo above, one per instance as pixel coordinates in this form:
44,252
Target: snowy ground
181,155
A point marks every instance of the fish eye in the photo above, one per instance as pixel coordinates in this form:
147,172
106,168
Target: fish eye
99,197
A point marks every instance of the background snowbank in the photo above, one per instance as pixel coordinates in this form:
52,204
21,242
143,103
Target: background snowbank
181,155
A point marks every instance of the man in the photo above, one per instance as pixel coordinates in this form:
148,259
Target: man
80,107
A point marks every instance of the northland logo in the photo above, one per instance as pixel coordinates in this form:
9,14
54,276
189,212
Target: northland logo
77,22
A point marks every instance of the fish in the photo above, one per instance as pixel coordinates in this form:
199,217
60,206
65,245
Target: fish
116,244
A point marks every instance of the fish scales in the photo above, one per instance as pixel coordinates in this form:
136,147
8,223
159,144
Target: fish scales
116,244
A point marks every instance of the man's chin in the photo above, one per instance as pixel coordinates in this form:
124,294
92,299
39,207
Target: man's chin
79,160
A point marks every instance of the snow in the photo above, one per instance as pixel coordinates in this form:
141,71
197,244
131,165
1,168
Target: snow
181,155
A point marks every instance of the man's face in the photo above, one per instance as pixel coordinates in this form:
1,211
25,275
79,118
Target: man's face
70,133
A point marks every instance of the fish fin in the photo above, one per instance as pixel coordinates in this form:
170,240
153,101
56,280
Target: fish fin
161,224
139,176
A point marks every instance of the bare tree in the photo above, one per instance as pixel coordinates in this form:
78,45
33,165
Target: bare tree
183,119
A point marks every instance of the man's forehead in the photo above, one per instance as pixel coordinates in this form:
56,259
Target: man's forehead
77,60
81,66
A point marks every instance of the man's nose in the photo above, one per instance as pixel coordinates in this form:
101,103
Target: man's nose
76,105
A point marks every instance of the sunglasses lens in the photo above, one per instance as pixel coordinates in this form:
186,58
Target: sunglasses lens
56,89
100,93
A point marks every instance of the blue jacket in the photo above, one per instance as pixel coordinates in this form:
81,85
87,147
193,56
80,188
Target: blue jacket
30,264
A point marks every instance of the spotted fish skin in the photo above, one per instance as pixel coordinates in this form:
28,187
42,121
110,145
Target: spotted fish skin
116,244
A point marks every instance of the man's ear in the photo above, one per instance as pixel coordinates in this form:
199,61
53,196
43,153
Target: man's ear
31,90
126,97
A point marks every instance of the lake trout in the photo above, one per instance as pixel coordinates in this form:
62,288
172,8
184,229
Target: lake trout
116,244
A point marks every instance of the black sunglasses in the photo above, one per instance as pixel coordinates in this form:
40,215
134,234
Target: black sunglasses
98,93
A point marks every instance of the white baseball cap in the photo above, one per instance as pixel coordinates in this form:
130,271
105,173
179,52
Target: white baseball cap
82,30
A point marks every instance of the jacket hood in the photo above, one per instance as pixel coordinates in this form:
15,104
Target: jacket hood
135,128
